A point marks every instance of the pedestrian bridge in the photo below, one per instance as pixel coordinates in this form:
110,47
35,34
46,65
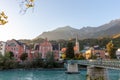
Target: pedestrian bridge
110,64
96,69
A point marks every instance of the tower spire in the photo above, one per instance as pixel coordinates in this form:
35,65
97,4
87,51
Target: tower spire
77,45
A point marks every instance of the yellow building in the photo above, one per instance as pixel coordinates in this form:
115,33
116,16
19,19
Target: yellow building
88,53
97,52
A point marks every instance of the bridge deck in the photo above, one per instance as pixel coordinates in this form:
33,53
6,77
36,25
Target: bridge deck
111,64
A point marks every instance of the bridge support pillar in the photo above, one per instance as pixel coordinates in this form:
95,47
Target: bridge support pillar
95,73
72,68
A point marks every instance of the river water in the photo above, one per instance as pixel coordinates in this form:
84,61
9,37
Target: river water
50,75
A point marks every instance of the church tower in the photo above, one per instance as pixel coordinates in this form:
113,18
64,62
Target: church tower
77,45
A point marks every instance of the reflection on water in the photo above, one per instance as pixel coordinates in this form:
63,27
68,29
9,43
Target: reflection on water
49,75
81,76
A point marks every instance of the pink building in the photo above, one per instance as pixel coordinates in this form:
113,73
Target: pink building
17,48
41,49
99,52
45,47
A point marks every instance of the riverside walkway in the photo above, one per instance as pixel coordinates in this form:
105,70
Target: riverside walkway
110,64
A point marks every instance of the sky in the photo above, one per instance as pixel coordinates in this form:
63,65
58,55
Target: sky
48,15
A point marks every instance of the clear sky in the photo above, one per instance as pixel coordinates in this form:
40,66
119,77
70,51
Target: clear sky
51,14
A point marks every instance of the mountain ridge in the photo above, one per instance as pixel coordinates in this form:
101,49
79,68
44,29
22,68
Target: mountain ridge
106,30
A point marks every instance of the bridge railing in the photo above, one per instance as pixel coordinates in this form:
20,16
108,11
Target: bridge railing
99,63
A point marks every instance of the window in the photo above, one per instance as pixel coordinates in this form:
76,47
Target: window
16,49
12,44
11,48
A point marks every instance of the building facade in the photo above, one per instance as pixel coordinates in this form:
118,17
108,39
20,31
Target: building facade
2,47
93,51
44,48
118,53
16,47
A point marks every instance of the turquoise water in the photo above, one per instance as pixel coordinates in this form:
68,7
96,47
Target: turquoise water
49,75
40,75
114,74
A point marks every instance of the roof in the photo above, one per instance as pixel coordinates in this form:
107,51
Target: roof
83,51
14,41
46,43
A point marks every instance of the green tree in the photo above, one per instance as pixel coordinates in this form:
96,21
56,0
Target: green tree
79,56
23,56
70,51
93,56
49,63
7,61
9,55
110,49
50,56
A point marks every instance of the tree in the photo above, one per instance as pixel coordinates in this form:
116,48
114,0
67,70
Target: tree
70,51
50,57
79,56
49,63
23,56
63,56
7,61
25,5
110,49
3,18
9,54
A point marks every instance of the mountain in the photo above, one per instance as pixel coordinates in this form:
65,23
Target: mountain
67,32
109,29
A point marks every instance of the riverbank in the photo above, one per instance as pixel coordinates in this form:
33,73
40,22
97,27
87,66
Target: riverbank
41,69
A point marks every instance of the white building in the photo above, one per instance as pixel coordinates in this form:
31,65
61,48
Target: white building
118,53
2,47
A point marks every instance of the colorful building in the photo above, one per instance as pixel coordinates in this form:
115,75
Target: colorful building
2,47
45,47
16,47
56,51
76,49
39,50
88,53
95,51
118,53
